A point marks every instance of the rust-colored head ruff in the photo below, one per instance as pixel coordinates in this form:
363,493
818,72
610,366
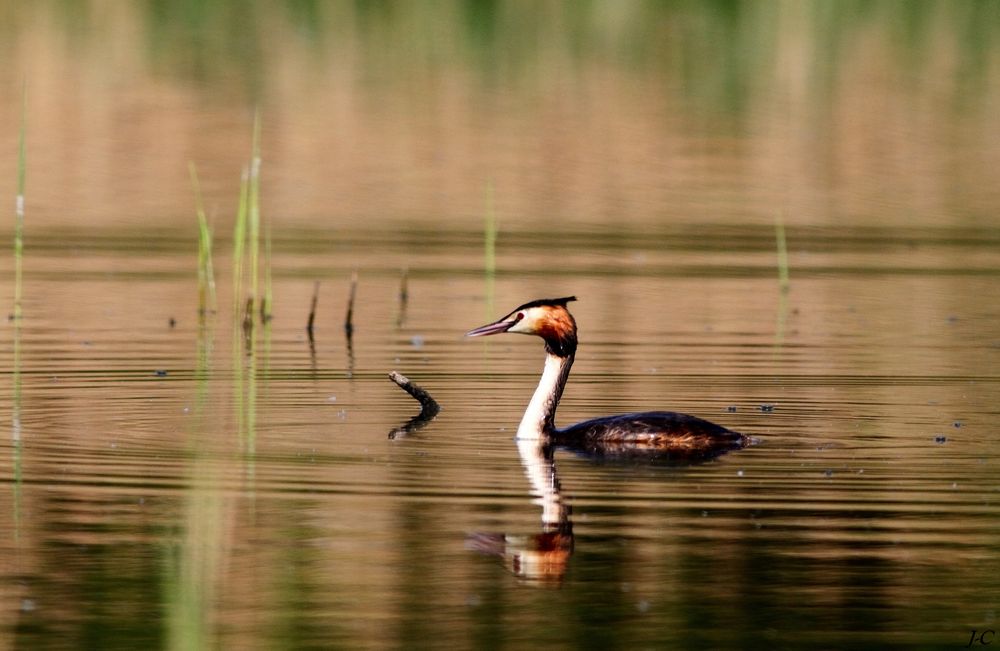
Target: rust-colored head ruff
547,318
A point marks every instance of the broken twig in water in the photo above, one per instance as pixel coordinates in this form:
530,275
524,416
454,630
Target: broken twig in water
404,296
312,311
429,407
248,317
349,320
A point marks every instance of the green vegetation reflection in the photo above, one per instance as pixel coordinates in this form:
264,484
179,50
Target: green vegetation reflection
722,53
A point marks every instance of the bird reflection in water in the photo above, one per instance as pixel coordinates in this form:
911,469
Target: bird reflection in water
541,557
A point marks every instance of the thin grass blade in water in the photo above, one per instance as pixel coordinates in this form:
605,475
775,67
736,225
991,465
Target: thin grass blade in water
779,233
253,206
239,243
206,273
18,255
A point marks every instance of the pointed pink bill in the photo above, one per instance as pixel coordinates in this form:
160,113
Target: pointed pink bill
494,328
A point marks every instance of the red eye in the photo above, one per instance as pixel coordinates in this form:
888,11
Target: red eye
520,315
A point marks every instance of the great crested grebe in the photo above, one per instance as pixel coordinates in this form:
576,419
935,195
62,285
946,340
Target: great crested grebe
620,435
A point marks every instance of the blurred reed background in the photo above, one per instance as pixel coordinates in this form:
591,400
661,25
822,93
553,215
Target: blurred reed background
846,112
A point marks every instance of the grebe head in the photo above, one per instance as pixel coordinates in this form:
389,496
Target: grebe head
547,318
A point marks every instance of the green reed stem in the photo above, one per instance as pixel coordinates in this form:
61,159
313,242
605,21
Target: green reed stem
18,281
254,211
193,559
239,243
206,272
19,204
193,563
266,303
250,421
784,284
779,233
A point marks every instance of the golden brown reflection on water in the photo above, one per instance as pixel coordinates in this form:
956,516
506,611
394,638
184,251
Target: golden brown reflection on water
848,515
169,491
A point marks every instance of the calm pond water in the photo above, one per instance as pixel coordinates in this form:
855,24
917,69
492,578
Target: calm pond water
168,482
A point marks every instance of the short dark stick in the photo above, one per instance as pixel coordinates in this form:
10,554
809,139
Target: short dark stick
312,311
349,321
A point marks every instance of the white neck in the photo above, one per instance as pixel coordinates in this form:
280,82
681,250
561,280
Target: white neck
540,416
541,471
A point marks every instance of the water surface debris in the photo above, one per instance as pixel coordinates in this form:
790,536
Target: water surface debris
427,403
404,296
349,319
429,407
312,311
404,292
248,317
